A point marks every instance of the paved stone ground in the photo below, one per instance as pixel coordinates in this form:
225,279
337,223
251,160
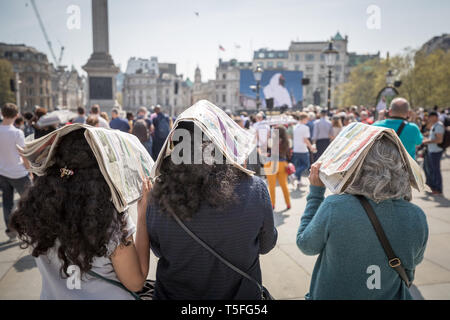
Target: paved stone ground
286,271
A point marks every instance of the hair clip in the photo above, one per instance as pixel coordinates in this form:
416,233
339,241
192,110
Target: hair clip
66,172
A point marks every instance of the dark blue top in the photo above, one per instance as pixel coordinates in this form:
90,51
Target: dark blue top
120,124
162,126
241,232
147,120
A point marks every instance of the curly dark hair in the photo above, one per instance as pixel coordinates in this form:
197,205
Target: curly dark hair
182,188
75,210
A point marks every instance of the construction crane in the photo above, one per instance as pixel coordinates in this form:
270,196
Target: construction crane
41,24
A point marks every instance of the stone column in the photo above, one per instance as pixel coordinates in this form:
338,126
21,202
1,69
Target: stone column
101,70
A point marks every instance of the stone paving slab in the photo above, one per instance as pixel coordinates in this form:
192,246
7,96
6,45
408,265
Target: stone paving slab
435,291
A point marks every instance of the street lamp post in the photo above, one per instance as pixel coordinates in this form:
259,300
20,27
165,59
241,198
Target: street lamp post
330,60
258,75
389,78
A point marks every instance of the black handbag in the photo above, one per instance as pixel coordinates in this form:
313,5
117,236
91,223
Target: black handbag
265,294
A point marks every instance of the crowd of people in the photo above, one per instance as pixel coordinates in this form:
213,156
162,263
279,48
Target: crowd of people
229,210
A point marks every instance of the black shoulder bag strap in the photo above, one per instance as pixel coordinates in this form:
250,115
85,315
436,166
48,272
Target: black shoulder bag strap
264,293
400,129
394,261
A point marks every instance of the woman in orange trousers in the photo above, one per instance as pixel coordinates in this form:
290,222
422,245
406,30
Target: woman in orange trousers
277,170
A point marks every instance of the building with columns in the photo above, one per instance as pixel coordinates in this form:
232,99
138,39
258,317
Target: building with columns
309,58
33,75
147,82
224,90
67,88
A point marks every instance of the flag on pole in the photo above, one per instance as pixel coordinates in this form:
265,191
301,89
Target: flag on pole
221,48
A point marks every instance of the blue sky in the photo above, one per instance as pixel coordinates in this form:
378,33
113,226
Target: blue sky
170,30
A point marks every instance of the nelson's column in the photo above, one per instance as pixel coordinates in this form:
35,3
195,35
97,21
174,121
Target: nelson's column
100,67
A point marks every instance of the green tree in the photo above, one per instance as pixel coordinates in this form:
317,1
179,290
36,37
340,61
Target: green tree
425,80
6,74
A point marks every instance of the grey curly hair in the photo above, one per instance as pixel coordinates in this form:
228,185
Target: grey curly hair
382,175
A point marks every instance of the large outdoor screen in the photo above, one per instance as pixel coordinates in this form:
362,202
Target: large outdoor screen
279,88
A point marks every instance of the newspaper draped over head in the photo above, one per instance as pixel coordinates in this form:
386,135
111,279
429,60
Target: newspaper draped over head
122,159
235,143
345,155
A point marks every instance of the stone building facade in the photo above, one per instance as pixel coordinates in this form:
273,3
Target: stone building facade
34,73
67,88
147,86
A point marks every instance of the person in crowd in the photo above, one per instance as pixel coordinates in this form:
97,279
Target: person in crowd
434,154
141,131
38,131
239,121
77,226
223,206
410,134
349,119
252,121
364,117
19,123
381,115
28,128
275,169
310,123
95,112
245,119
262,134
144,114
162,126
301,147
81,118
321,134
130,119
338,229
336,126
117,122
14,174
93,121
104,115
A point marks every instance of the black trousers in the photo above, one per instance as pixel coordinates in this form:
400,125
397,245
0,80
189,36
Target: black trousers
321,145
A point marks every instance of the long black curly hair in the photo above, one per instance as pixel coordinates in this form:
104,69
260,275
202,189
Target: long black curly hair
182,188
76,210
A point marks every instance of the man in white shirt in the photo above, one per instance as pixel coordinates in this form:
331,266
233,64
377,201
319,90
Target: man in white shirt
95,111
301,146
13,167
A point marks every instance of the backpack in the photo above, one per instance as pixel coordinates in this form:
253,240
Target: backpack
446,139
162,126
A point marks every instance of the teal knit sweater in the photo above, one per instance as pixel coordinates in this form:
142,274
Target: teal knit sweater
351,262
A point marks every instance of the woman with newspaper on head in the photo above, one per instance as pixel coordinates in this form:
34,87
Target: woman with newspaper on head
209,217
369,237
82,244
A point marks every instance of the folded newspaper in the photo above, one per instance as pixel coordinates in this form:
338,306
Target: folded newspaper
235,143
343,158
121,157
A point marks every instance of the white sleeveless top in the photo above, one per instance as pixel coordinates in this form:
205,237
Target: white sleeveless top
90,288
